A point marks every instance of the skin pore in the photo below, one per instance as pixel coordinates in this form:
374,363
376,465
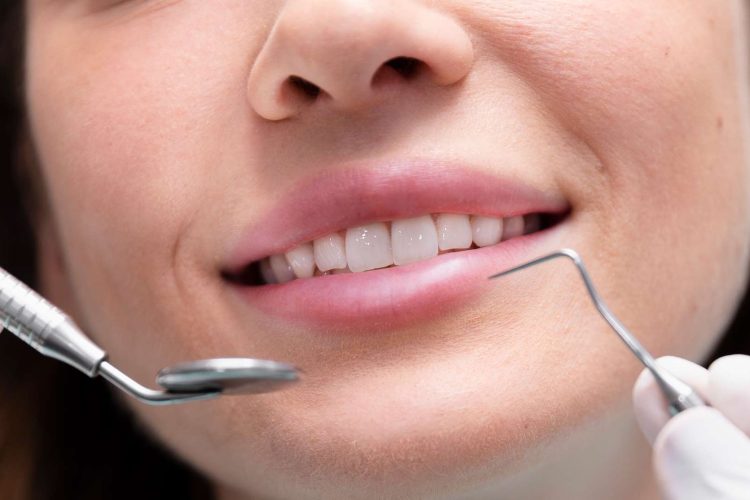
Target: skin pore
160,139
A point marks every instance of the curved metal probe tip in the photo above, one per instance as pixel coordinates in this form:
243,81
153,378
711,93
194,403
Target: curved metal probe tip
146,395
678,394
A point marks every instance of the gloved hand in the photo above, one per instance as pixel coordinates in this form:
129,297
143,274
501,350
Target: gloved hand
702,453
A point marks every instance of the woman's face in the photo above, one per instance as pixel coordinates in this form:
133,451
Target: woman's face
175,151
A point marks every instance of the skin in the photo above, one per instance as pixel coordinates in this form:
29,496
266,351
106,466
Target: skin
155,151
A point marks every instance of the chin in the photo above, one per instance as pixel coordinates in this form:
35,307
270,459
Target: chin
430,426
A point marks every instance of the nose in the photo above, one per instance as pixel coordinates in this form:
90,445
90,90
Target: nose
350,54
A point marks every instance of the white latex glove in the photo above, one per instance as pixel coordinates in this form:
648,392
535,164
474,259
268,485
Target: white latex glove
702,453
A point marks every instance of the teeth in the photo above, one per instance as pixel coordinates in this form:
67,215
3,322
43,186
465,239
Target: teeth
403,241
330,252
368,247
413,240
486,231
512,227
454,231
266,272
281,269
301,260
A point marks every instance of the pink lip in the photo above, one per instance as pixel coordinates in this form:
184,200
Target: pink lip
397,295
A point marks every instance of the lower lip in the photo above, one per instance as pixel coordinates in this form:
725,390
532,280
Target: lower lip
395,296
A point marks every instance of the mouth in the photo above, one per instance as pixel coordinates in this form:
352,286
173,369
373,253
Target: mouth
386,245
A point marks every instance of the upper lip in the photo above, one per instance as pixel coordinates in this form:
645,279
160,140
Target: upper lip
345,197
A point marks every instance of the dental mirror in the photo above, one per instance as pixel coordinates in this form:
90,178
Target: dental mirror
228,375
51,332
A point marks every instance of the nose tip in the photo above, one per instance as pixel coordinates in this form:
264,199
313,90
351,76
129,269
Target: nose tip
346,53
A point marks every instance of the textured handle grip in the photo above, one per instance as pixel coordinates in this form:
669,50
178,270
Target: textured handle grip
44,327
25,313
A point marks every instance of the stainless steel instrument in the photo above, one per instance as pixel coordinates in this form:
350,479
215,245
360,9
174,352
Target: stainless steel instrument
51,332
678,394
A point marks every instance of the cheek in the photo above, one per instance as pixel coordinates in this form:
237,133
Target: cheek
113,130
656,98
130,124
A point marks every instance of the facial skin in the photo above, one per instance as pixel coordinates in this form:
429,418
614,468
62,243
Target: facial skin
159,142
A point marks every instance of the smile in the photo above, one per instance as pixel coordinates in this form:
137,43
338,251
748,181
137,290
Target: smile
380,245
387,244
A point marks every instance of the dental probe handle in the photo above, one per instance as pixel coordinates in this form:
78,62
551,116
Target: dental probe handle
44,327
679,395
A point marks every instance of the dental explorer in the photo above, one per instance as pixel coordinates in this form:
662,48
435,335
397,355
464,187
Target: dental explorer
678,394
51,332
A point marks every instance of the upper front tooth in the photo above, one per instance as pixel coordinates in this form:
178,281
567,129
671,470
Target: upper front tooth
330,252
486,231
301,260
368,247
413,239
454,231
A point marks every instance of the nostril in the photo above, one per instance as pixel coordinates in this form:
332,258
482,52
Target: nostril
309,89
405,66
